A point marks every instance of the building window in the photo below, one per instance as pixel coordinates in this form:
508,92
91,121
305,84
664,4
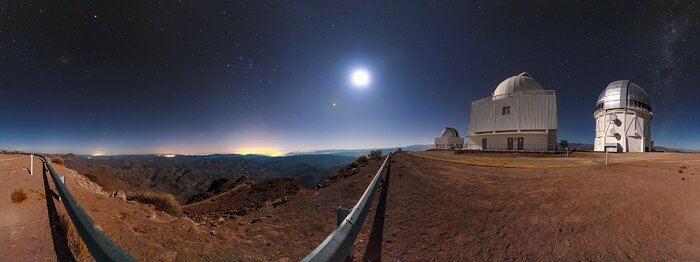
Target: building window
506,110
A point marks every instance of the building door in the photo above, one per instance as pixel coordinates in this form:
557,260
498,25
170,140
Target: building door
483,144
521,143
510,143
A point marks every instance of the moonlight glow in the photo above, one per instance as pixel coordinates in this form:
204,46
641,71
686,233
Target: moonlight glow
360,78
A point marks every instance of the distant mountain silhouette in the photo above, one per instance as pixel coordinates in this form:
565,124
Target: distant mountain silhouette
581,146
363,152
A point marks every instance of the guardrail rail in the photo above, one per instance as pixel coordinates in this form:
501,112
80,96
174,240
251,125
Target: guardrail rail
100,246
338,246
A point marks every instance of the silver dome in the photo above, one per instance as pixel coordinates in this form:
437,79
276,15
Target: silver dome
521,82
623,94
449,132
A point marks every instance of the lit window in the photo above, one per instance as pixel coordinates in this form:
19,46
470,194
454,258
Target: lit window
506,110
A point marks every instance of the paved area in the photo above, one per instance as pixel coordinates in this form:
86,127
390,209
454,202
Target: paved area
25,234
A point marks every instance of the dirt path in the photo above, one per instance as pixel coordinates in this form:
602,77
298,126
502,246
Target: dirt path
24,227
230,191
438,210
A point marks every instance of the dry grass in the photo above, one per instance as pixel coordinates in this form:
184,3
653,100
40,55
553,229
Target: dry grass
139,230
75,243
57,160
161,201
18,195
120,215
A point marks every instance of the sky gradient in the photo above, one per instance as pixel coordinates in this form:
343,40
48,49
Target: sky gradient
220,77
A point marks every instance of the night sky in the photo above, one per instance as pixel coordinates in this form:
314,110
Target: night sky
259,76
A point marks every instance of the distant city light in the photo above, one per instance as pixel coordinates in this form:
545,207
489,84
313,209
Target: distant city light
264,152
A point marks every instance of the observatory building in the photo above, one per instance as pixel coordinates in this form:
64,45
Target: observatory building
519,115
623,119
449,139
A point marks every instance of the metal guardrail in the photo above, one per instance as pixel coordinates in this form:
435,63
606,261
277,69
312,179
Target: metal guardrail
338,246
101,248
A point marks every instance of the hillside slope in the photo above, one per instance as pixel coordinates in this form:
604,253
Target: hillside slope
265,231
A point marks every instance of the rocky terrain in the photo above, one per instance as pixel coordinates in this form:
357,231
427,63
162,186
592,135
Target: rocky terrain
247,220
188,177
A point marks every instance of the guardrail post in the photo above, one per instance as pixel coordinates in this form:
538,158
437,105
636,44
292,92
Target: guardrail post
340,215
388,169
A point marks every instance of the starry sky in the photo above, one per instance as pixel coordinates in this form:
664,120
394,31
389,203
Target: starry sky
262,76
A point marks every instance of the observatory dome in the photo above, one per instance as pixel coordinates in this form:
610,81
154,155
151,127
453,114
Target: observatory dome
521,82
449,132
623,94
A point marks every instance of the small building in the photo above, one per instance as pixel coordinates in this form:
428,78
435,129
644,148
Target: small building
623,118
449,139
519,116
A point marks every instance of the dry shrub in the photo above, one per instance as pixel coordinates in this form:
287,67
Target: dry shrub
375,154
75,243
361,160
161,201
139,230
18,195
120,215
57,160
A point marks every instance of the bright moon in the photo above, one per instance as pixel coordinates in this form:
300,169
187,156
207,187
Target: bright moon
360,78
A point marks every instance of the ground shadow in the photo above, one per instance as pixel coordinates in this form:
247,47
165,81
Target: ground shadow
58,233
376,237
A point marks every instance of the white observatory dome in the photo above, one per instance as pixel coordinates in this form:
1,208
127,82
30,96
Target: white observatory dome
449,132
623,94
521,82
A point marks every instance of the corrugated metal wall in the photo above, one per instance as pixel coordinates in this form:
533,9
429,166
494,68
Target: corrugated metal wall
527,112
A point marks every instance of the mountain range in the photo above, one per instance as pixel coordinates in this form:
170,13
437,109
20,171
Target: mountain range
184,176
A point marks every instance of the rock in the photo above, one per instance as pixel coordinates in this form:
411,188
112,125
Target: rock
118,194
221,219
279,201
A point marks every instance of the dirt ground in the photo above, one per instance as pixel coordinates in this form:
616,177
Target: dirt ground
643,207
25,232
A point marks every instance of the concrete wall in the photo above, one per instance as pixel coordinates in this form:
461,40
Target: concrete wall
631,131
532,141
